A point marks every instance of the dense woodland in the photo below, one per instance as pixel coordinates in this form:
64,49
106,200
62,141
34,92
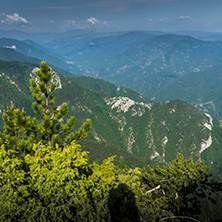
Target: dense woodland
45,175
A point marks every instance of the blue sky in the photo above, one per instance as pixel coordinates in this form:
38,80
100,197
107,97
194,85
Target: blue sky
111,15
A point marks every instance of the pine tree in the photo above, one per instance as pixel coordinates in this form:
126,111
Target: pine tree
21,131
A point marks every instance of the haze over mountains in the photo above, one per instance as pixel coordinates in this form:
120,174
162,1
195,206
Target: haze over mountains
159,66
152,63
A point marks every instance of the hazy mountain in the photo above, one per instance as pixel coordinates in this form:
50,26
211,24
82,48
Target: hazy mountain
202,89
145,61
40,37
202,35
9,54
85,50
155,131
148,66
31,49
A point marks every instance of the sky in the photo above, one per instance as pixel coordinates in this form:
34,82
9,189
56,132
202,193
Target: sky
111,15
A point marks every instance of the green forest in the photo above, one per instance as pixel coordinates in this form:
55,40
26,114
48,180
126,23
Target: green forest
46,176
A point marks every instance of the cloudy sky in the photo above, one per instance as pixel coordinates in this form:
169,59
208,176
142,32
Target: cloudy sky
111,15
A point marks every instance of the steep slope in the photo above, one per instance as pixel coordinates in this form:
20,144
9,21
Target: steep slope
202,89
14,85
98,151
151,63
155,131
148,66
9,54
107,88
143,61
154,65
31,49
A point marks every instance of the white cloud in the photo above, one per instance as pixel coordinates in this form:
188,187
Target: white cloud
105,23
184,17
163,19
70,24
90,23
93,21
13,19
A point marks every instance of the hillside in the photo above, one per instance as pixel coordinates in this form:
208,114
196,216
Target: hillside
146,62
107,88
9,54
202,89
154,131
32,49
139,54
157,65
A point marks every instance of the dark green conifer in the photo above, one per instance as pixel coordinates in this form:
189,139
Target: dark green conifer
21,131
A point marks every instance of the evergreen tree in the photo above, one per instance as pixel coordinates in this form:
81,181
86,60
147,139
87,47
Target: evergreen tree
53,181
21,131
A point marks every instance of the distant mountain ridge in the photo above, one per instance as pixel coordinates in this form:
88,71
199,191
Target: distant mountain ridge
32,49
143,61
147,62
201,89
9,54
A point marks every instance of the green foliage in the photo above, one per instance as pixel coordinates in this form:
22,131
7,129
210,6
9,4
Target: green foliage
106,88
182,185
59,185
44,176
43,186
98,151
20,132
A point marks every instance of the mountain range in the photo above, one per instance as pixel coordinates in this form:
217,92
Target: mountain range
125,123
147,126
31,49
150,63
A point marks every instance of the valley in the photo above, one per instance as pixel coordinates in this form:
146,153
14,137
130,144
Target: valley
158,65
151,132
151,123
111,111
150,96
